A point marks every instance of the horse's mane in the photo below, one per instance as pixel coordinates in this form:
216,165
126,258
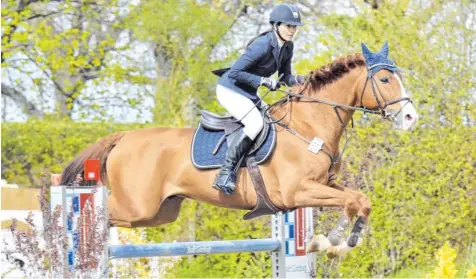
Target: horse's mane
336,69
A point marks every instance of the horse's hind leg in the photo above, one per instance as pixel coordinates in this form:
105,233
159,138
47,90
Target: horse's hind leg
168,213
117,214
136,184
128,205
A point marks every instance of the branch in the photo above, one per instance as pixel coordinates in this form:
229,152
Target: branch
240,11
21,8
22,4
373,3
314,9
58,86
45,15
8,40
27,106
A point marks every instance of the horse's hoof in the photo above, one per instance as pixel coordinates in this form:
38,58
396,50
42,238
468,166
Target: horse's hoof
318,243
332,252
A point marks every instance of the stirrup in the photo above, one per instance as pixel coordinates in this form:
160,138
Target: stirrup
222,181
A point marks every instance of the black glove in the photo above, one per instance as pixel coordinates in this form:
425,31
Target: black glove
300,79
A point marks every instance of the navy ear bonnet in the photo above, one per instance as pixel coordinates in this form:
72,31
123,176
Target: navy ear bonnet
379,60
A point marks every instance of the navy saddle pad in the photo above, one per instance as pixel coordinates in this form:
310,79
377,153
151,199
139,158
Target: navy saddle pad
204,142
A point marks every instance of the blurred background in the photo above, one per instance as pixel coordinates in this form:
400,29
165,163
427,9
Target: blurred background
74,71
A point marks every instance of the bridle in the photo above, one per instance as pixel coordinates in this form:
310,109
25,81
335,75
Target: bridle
382,107
381,110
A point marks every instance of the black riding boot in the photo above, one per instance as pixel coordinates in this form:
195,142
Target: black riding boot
226,178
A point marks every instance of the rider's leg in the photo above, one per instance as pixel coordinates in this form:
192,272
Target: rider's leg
241,108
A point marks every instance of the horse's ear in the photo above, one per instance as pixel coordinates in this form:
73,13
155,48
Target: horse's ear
384,49
366,51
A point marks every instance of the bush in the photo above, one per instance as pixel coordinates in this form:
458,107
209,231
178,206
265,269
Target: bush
27,148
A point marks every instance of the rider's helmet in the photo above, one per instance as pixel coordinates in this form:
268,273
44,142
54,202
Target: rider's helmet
285,13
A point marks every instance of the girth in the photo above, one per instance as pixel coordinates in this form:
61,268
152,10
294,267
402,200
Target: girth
264,205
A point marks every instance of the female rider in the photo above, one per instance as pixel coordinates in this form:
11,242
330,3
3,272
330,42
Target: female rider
237,88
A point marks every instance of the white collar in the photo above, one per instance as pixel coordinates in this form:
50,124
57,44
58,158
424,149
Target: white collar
280,43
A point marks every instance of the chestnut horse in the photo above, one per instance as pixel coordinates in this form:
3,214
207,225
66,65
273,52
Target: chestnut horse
149,171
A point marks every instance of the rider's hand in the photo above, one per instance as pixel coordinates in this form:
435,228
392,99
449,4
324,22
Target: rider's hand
300,79
271,83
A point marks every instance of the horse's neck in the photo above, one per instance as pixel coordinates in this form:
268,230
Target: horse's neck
312,119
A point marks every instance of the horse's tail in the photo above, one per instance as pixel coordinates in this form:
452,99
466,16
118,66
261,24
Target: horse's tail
99,151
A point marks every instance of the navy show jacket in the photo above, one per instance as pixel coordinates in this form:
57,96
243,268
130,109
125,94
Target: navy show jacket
262,58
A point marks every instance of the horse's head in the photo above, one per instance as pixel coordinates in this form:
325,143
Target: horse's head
384,92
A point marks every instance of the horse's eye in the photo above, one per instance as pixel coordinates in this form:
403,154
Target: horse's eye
384,80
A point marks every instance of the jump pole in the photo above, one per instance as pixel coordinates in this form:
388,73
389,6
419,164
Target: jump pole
289,234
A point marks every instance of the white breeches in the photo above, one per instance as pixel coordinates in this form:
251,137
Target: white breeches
241,108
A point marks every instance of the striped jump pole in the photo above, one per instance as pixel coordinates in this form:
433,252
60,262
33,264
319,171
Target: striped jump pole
289,234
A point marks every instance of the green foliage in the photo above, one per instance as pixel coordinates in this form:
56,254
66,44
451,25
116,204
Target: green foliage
185,34
60,59
421,187
410,273
429,43
446,264
28,148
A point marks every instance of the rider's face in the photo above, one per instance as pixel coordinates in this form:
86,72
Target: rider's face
287,31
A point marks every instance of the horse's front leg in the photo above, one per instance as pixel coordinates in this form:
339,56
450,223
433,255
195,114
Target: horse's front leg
310,193
313,194
336,236
364,201
337,233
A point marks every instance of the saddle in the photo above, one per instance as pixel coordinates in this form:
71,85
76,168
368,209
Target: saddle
209,150
230,125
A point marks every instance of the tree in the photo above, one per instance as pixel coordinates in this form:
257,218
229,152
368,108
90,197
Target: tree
184,35
53,50
433,45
